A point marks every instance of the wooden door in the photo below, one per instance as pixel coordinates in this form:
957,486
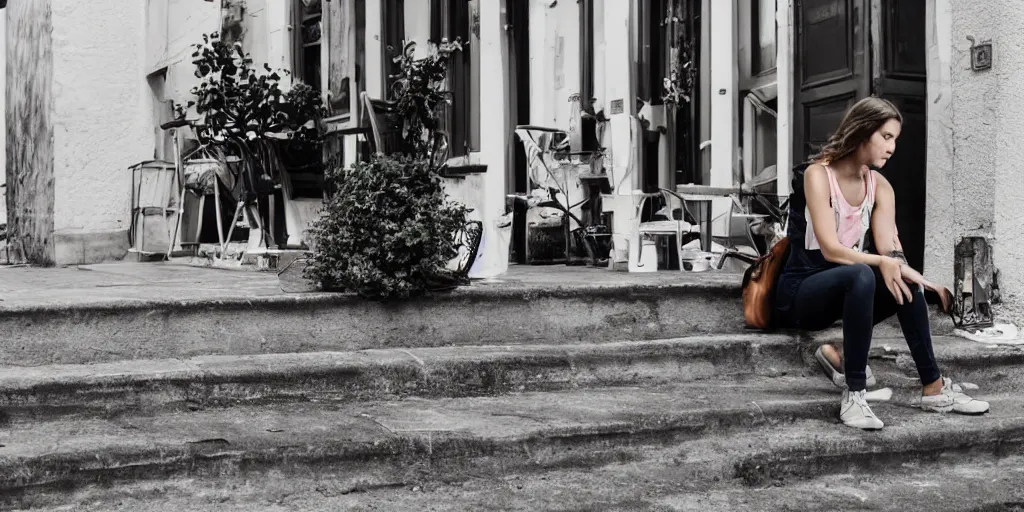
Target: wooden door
832,67
900,76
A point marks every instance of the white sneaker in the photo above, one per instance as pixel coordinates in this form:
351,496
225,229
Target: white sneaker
855,412
952,398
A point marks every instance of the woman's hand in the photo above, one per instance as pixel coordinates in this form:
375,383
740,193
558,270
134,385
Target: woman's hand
892,274
913,276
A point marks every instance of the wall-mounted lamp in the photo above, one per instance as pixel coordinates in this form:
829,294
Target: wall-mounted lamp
981,54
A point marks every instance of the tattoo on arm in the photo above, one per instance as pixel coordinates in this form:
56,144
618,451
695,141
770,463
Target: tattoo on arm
899,255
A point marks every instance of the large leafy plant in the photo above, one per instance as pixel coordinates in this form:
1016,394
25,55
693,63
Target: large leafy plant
236,100
419,91
387,230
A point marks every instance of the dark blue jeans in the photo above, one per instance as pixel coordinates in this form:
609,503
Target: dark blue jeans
858,295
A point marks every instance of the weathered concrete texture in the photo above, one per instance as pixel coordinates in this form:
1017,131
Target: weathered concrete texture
108,313
974,139
973,484
754,433
33,393
939,220
30,131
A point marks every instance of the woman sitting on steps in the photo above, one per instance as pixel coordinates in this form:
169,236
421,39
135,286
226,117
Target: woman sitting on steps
836,199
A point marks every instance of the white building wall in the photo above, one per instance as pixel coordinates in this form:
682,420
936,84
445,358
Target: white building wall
974,177
100,115
172,26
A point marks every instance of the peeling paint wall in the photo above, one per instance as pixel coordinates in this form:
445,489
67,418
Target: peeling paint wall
172,26
975,129
30,131
100,108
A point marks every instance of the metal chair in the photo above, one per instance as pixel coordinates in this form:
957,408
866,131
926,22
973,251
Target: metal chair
764,221
680,228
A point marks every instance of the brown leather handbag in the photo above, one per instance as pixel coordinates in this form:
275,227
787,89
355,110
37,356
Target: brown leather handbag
759,285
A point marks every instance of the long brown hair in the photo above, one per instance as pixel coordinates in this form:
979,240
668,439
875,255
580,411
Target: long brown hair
858,125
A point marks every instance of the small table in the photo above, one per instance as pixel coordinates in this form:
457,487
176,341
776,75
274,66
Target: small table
704,195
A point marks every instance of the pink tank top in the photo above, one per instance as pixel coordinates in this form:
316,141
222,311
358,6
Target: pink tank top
852,222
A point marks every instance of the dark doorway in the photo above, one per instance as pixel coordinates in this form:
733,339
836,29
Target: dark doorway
835,66
686,132
518,13
902,79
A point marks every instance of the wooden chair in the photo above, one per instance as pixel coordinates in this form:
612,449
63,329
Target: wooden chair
385,123
384,126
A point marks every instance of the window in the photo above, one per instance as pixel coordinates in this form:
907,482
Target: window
426,21
759,86
652,66
308,37
758,33
474,74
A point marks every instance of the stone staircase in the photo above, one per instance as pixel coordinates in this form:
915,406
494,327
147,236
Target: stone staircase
587,395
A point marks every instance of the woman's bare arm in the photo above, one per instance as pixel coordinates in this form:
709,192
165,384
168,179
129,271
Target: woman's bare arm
883,219
816,191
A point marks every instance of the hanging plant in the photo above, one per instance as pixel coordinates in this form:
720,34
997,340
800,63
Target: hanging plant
682,74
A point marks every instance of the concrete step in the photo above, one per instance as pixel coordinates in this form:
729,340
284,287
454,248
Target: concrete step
756,430
966,482
107,313
973,484
72,329
143,386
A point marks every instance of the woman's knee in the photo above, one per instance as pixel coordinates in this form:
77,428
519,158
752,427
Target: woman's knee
861,280
917,297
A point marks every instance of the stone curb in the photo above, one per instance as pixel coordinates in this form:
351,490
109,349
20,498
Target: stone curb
38,392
